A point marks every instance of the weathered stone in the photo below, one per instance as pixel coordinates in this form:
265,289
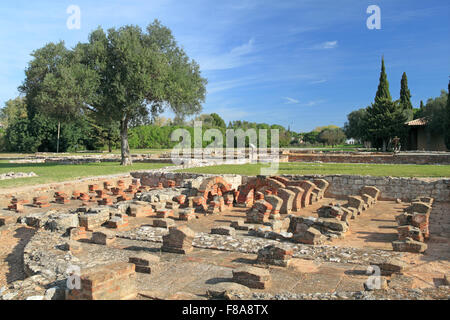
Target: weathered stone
372,191
116,281
356,202
278,255
240,225
409,245
275,201
419,207
163,223
408,231
308,235
390,266
297,202
179,240
103,238
144,261
227,290
223,230
253,277
288,198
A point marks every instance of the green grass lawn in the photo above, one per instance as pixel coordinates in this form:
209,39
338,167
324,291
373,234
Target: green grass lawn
65,154
400,170
48,172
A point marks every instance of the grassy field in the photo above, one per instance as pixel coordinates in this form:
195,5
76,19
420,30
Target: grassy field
65,154
48,172
401,170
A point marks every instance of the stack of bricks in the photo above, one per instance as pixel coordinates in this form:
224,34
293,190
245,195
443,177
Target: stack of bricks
140,209
94,220
41,202
76,195
246,200
259,196
252,277
85,198
78,233
104,198
181,199
216,206
107,185
103,238
172,205
229,199
144,262
179,240
164,213
259,212
277,255
121,184
61,197
118,221
93,187
413,227
115,281
199,203
17,205
186,214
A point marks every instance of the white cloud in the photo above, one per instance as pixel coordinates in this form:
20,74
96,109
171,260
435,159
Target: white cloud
291,100
236,57
326,45
318,81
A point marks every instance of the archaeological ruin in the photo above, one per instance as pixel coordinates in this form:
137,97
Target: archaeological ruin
166,235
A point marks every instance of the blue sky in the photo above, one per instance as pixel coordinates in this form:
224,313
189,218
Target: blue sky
299,63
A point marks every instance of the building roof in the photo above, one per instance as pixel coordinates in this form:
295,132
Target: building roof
417,122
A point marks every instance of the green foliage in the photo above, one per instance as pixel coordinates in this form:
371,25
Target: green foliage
383,86
435,111
119,76
332,136
447,119
14,109
356,126
218,121
405,94
385,120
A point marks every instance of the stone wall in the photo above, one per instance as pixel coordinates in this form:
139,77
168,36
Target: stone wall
402,158
340,185
391,187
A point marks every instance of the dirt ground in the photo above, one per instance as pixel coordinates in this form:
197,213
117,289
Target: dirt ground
374,228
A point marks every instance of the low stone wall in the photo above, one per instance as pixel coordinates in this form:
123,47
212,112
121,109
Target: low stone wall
391,187
403,158
340,185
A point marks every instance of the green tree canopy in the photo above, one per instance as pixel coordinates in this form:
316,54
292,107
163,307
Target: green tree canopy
383,86
332,136
356,125
122,76
405,94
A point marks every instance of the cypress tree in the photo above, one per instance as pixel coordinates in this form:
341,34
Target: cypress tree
405,94
383,86
447,113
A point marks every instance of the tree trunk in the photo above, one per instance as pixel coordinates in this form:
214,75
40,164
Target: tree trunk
109,141
125,148
57,139
384,145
